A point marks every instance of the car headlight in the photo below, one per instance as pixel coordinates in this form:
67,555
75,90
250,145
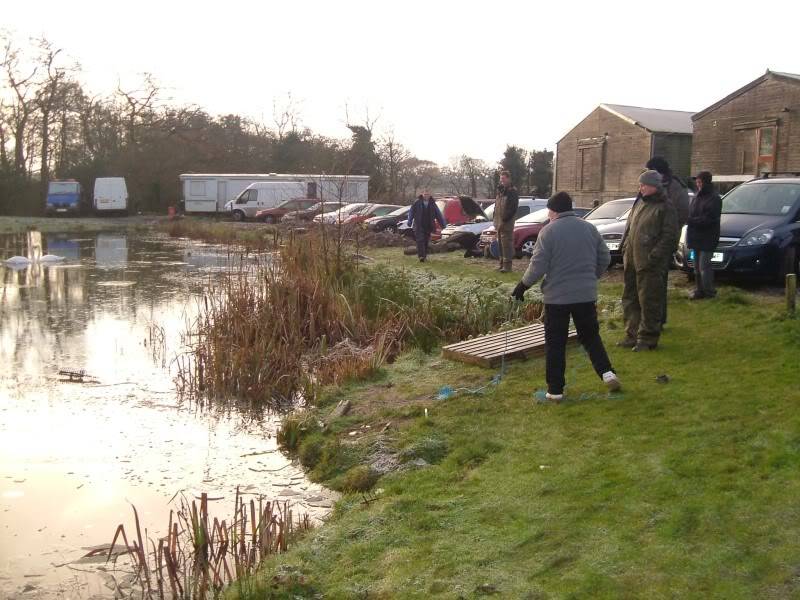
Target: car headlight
757,238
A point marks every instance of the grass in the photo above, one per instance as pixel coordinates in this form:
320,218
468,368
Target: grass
685,489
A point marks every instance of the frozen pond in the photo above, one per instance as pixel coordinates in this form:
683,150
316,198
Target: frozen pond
74,456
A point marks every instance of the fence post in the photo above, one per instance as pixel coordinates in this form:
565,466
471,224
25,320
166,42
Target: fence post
791,293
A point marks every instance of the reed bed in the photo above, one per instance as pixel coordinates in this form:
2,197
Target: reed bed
199,556
273,331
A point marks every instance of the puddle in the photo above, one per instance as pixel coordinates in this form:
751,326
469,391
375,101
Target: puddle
74,456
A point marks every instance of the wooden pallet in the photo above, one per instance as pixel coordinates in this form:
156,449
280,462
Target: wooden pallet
488,350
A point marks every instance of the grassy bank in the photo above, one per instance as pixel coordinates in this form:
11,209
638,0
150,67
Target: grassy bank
677,489
80,224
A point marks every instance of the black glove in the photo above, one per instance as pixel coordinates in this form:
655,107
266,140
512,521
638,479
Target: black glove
519,292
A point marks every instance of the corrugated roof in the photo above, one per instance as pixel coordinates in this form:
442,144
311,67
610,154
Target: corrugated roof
653,119
789,75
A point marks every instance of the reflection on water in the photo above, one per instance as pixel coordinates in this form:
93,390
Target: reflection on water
74,455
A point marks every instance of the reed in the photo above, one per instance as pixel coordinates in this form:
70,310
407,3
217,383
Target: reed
200,556
273,331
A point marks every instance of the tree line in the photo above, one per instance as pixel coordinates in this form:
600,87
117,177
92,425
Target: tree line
52,127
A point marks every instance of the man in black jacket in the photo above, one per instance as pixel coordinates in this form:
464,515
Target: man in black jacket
422,216
702,234
505,213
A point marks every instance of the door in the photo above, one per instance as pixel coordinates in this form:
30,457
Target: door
765,163
746,150
222,195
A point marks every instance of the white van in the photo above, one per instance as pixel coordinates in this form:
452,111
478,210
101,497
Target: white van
262,195
110,194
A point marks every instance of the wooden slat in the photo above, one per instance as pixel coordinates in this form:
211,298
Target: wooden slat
489,350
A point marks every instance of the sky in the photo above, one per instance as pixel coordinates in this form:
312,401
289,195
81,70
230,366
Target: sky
446,77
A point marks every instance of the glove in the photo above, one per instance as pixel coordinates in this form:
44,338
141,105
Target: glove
519,292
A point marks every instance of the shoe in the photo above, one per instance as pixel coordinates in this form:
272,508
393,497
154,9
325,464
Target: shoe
421,260
643,346
626,343
612,381
500,269
695,295
554,398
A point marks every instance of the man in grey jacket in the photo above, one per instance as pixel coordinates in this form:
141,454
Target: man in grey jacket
569,257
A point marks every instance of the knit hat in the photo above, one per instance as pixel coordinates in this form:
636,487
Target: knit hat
704,176
560,202
651,178
660,164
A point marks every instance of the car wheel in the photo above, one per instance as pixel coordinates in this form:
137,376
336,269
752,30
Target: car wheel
238,215
269,220
526,249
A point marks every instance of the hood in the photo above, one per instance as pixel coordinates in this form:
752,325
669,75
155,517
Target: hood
599,222
615,226
737,225
471,208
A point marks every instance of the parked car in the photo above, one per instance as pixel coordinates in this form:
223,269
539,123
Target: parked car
63,197
373,210
610,211
455,210
273,215
468,234
387,222
612,234
759,230
526,231
110,195
339,216
309,213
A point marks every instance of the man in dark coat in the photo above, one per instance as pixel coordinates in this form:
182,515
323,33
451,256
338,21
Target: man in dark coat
678,195
505,213
647,250
422,216
702,234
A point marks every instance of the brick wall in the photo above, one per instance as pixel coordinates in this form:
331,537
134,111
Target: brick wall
725,144
601,158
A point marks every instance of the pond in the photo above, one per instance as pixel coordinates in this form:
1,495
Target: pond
76,455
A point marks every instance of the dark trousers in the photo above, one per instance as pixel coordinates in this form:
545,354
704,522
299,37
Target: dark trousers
643,300
423,240
704,274
556,331
665,297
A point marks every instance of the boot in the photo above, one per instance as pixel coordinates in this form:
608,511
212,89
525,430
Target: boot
506,267
627,342
644,346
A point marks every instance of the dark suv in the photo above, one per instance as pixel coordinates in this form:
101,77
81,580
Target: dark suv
760,229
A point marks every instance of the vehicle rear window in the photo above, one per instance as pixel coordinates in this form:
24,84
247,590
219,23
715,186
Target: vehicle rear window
762,199
540,216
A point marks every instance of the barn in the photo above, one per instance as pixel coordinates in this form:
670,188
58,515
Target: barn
602,156
752,131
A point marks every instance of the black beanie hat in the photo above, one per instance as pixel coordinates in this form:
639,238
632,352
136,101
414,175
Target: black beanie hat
560,202
659,164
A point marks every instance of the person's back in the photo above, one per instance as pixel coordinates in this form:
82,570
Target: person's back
575,256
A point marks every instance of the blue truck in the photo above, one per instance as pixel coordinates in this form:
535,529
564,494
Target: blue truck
63,197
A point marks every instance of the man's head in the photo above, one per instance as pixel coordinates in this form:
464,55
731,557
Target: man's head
559,203
659,164
505,178
650,182
703,179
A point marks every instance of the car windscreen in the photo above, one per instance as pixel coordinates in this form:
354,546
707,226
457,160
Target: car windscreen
63,187
539,216
609,210
403,210
762,199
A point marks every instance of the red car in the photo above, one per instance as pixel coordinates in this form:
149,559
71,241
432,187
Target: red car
275,214
526,230
455,210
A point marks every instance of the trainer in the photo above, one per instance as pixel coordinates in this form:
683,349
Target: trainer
569,257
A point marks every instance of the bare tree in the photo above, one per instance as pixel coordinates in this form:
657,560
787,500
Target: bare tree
22,86
139,104
393,157
286,116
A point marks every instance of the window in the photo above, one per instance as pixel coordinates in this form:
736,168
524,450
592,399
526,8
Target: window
766,198
766,149
197,188
247,196
522,211
311,189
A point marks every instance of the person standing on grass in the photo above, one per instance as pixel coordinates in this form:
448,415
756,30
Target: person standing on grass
702,234
678,196
569,257
422,217
646,253
505,213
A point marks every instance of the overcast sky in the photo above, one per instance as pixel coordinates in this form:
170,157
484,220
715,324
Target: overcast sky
449,77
